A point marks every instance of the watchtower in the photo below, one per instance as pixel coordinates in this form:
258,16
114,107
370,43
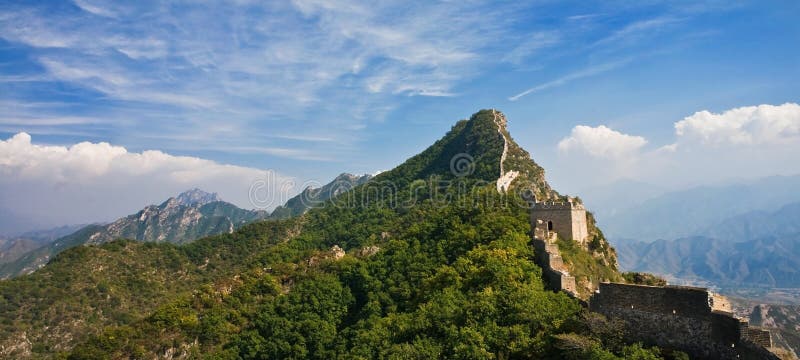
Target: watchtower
567,219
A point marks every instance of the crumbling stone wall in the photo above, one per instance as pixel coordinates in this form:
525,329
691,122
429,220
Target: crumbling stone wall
682,318
549,259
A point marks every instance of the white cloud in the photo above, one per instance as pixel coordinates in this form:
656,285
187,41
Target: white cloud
739,143
602,142
89,182
749,125
190,65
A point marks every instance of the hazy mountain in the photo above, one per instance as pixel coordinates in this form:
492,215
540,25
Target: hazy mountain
196,197
12,224
608,200
691,212
12,248
756,224
755,249
765,262
189,216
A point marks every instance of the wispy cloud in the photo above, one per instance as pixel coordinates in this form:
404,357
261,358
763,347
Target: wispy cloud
532,44
255,63
583,73
637,30
94,9
49,121
161,72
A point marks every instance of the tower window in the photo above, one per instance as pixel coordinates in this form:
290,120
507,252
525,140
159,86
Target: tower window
549,226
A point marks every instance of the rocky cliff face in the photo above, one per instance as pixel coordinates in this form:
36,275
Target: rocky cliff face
196,197
178,220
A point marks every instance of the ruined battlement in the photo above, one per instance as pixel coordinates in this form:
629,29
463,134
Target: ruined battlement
558,205
568,219
689,319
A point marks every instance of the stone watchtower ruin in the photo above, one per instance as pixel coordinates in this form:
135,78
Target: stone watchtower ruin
565,218
549,221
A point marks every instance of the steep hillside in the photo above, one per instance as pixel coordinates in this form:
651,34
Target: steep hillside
14,248
189,216
784,320
478,149
425,269
86,288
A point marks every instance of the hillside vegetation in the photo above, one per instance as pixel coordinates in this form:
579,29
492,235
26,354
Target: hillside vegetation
427,269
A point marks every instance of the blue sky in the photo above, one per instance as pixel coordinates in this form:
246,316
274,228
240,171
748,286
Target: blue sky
315,88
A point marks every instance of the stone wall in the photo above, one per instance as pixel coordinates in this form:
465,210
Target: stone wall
567,218
549,259
682,318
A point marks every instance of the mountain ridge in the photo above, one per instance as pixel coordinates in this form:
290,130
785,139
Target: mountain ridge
442,268
690,212
755,249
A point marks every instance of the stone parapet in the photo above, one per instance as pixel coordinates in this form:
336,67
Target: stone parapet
682,318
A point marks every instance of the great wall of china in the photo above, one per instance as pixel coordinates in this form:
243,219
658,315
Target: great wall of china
689,319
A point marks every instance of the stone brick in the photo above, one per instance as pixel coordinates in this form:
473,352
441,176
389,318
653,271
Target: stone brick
682,318
568,219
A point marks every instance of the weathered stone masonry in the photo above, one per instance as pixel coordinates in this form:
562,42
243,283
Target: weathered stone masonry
568,219
549,259
549,220
689,319
684,318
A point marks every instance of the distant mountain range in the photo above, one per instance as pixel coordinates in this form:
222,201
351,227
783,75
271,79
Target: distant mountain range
685,213
191,215
755,249
12,248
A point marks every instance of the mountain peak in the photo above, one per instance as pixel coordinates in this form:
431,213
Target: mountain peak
479,149
351,178
196,197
